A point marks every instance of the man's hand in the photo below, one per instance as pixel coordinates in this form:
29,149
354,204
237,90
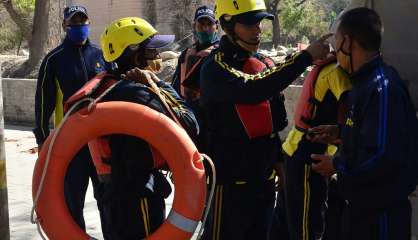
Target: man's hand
320,48
327,134
140,76
324,165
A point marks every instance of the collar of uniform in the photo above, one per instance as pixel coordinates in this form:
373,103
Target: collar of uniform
232,51
361,74
200,47
68,43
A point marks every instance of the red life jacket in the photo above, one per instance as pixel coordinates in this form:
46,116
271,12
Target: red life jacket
186,70
305,109
100,148
256,118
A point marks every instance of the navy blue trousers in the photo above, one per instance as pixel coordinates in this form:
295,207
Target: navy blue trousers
80,170
279,228
241,211
305,194
391,223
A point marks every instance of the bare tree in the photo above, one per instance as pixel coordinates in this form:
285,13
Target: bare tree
151,13
300,3
37,44
183,16
56,32
273,8
18,18
39,32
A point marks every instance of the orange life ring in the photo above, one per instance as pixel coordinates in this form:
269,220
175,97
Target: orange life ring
122,118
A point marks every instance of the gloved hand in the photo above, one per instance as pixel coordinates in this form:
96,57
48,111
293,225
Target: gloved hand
141,76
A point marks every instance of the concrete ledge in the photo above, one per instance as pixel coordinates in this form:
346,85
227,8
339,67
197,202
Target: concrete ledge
19,101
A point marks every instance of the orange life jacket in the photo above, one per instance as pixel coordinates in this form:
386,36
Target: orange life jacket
256,118
100,148
305,109
187,68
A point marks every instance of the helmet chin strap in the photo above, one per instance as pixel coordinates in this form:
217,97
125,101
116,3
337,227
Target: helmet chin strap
250,47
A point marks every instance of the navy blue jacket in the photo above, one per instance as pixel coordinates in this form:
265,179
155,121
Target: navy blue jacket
63,71
369,163
236,157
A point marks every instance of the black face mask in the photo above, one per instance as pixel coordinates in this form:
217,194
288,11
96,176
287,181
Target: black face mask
345,59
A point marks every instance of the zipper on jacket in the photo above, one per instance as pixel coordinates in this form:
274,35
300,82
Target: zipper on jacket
83,63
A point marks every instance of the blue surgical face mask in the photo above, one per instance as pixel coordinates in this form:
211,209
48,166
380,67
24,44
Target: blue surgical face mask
78,33
206,37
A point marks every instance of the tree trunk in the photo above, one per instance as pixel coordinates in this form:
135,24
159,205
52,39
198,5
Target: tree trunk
56,32
273,8
183,18
18,19
276,31
38,43
4,209
152,12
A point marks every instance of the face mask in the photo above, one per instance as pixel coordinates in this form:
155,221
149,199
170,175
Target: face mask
154,65
78,33
206,37
345,59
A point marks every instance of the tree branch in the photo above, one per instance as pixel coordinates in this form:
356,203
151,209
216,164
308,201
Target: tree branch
300,3
18,19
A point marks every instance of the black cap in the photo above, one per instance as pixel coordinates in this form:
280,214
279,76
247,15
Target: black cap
204,12
71,10
254,17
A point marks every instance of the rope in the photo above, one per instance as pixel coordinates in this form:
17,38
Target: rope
212,191
154,86
48,158
90,106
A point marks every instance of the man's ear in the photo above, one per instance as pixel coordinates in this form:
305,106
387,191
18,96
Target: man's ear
139,60
348,43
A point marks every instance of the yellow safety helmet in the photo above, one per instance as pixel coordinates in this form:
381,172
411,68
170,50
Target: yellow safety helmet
236,7
130,31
